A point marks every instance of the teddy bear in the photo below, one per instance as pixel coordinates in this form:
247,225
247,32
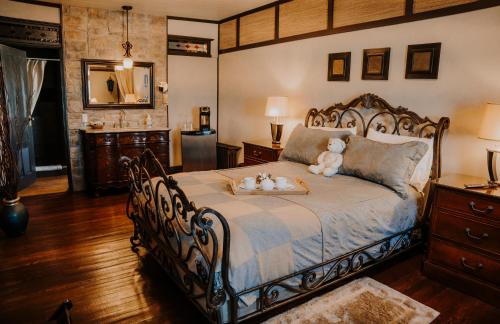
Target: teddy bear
330,161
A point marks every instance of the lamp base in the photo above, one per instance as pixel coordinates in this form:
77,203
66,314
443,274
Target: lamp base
492,165
276,132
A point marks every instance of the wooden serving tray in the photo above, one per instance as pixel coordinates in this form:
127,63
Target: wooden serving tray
301,188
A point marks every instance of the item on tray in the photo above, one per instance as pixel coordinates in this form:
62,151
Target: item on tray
249,183
263,175
267,184
281,183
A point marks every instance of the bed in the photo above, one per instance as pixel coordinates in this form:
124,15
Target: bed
236,257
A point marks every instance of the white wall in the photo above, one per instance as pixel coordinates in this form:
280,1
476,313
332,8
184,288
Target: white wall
469,76
29,11
192,82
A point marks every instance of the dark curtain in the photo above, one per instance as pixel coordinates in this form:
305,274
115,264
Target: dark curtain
13,63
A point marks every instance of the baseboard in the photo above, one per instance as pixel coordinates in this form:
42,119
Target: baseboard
175,169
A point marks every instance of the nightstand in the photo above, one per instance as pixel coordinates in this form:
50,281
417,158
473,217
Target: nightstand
464,239
258,152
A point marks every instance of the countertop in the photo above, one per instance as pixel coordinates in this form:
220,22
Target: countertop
124,130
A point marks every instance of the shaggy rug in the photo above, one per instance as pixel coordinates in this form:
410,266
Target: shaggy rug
360,301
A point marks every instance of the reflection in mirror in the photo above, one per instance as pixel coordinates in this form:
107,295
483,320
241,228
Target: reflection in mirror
109,84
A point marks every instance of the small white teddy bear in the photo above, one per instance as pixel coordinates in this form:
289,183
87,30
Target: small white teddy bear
330,161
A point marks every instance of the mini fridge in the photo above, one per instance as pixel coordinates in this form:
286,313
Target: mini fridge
199,152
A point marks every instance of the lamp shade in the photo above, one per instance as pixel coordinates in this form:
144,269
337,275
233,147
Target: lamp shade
490,127
277,106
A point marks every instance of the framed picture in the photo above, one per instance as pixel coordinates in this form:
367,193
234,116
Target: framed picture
422,61
339,66
376,63
189,46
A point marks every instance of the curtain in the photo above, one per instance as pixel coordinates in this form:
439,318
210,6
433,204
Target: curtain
35,69
125,80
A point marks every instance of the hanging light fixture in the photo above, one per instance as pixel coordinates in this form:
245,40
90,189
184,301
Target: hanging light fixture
128,63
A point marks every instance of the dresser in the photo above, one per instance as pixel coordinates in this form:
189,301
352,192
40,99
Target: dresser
103,149
464,240
258,152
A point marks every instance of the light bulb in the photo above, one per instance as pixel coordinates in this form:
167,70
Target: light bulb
128,63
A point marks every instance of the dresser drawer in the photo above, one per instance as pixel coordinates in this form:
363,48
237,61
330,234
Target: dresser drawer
481,235
132,138
258,152
468,203
154,137
465,261
105,140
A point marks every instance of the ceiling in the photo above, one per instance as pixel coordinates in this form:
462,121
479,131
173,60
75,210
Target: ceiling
201,9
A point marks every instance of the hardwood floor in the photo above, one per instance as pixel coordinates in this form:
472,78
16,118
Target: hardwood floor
77,247
46,185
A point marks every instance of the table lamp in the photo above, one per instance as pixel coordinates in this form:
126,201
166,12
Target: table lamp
490,130
276,107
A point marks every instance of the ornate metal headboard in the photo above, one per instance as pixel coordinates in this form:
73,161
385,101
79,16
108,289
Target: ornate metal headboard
369,110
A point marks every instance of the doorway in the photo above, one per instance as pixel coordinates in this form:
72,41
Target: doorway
48,127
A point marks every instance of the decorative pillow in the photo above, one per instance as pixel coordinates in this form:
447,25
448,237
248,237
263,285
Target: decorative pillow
390,165
422,172
353,130
306,144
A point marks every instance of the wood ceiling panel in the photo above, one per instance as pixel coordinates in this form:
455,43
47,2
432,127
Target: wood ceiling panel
352,12
302,16
428,5
227,34
257,27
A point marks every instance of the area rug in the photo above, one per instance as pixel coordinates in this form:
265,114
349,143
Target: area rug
360,301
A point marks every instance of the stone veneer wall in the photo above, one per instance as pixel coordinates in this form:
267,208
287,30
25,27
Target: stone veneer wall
98,34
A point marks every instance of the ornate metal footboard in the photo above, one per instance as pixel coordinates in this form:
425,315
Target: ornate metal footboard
180,236
192,244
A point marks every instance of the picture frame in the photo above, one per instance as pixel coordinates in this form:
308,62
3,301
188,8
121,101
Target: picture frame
376,63
422,61
339,66
189,46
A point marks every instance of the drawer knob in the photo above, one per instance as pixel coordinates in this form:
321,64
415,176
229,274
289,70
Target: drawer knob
472,236
467,266
257,153
486,211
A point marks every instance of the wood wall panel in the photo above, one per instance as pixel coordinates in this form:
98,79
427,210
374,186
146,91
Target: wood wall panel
302,16
227,34
257,27
351,12
428,5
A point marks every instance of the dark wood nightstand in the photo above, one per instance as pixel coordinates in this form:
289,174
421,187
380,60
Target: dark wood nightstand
464,240
258,152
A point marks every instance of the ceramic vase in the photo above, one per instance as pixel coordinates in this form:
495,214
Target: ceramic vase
13,217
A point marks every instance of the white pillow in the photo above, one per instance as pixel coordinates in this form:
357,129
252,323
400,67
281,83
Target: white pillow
336,129
422,171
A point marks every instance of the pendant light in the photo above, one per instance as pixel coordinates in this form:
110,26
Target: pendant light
128,63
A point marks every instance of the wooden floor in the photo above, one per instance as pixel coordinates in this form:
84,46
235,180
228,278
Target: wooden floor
78,247
46,185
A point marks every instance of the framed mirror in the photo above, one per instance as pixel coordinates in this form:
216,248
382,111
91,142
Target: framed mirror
107,84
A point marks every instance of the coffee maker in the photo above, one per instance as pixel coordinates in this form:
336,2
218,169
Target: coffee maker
204,118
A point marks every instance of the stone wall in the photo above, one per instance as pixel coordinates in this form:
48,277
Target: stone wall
98,34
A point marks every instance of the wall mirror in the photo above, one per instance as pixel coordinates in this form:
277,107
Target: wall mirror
107,84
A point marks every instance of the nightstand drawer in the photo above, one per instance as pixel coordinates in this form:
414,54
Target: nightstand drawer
473,233
465,261
257,152
468,203
249,161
